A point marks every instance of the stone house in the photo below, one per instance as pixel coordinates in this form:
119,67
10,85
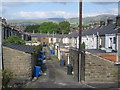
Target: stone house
8,31
20,60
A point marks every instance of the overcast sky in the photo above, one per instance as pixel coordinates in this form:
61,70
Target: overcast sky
36,10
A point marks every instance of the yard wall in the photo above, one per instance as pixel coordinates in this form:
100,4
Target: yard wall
21,64
94,68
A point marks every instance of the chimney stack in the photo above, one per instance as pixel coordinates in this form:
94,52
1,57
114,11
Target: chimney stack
118,20
109,21
0,19
90,26
4,21
102,23
83,27
96,25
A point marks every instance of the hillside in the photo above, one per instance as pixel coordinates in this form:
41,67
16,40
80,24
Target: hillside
73,21
34,21
94,19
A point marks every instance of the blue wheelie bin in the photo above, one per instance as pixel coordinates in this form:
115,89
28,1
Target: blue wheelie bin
53,52
42,57
36,71
41,52
39,59
62,62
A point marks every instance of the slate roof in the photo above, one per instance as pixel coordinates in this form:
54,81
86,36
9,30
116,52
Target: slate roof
60,35
26,49
74,34
108,29
40,35
47,35
95,51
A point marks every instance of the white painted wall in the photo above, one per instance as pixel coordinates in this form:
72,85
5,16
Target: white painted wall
54,40
50,40
107,41
59,53
73,42
118,48
65,40
90,41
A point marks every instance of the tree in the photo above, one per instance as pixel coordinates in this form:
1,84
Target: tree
48,27
31,28
64,27
14,39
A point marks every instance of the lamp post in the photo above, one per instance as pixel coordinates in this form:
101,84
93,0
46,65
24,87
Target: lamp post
80,34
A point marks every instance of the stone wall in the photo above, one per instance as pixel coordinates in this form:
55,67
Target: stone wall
74,61
19,63
94,68
118,48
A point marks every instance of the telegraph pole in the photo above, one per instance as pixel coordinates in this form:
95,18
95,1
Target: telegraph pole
1,55
80,34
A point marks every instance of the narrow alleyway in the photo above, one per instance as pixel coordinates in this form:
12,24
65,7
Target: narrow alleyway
56,76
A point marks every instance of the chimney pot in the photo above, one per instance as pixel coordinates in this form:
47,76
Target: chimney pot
118,20
102,23
109,21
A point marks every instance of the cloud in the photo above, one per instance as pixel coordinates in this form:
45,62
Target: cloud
2,9
57,14
15,4
113,11
101,3
37,14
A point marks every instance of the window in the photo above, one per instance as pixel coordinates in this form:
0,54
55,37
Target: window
51,39
114,40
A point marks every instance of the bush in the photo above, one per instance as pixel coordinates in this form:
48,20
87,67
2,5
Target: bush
38,48
14,39
7,76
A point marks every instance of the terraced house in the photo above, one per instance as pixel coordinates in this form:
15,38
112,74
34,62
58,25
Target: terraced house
97,36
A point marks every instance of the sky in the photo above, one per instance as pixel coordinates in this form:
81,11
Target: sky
38,10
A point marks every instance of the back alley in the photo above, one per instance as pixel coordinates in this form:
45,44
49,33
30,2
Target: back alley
56,76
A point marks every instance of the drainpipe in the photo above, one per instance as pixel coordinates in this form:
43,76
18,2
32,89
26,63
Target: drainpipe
97,40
